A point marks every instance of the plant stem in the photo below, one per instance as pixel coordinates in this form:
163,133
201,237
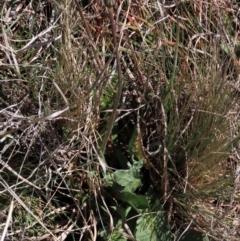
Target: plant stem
111,121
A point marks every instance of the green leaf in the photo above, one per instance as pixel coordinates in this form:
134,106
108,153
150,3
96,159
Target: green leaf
130,179
112,236
224,47
123,212
153,225
135,200
131,146
126,179
145,229
116,236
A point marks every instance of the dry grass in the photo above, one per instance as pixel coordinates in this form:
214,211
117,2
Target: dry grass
58,82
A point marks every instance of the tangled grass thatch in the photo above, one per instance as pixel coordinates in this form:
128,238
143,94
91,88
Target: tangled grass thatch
172,158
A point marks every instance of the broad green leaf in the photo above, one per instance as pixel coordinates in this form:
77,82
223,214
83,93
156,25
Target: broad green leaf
137,201
126,179
145,228
153,225
129,179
